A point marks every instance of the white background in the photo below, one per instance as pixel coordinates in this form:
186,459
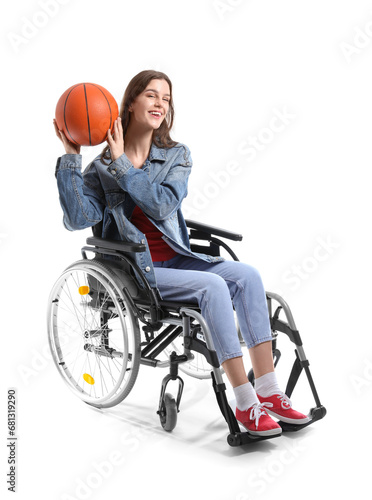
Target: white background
302,204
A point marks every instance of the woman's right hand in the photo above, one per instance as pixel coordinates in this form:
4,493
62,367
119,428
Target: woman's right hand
116,142
70,147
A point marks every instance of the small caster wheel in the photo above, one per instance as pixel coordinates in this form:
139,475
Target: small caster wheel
168,413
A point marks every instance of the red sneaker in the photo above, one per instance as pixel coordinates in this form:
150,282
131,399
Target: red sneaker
280,406
257,421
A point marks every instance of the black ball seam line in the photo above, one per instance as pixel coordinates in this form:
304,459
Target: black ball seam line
108,103
86,106
64,112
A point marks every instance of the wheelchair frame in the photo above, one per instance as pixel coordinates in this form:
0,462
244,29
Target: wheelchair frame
154,313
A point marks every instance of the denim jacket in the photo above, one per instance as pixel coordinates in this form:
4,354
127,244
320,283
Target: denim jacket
109,193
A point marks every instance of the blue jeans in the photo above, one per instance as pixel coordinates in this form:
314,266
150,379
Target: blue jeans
216,288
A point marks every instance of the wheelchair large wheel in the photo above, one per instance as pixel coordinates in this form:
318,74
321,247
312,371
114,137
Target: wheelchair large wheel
93,335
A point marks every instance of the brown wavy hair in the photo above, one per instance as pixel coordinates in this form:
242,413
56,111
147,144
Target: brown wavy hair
138,83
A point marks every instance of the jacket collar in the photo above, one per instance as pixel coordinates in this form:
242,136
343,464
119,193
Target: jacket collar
157,153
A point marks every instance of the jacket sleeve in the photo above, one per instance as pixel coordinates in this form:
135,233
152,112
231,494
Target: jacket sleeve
82,200
158,200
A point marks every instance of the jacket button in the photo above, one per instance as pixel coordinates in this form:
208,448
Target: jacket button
147,269
143,242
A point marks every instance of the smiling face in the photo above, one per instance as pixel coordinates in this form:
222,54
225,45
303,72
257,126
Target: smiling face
151,106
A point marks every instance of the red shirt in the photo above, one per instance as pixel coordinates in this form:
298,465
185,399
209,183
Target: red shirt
159,249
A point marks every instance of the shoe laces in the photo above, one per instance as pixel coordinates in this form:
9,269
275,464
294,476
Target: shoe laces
257,411
285,401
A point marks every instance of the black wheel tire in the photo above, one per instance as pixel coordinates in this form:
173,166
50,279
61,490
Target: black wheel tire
168,413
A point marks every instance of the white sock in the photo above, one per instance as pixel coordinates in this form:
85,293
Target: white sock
245,396
267,385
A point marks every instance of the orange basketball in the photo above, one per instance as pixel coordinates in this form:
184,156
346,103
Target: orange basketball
85,112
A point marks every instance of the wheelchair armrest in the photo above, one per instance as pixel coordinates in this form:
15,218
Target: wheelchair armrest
199,226
121,246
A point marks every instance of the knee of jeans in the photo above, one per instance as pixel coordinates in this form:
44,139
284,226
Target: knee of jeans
251,275
215,284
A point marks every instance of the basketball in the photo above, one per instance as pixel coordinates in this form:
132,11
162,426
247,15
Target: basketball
85,112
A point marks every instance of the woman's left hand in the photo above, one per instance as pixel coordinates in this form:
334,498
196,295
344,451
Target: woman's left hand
116,142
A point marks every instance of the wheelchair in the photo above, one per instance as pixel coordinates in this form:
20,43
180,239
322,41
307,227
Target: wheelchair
103,324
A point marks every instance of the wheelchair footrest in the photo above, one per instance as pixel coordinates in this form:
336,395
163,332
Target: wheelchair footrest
315,413
240,438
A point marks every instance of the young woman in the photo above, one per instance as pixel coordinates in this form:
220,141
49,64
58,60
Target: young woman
136,187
